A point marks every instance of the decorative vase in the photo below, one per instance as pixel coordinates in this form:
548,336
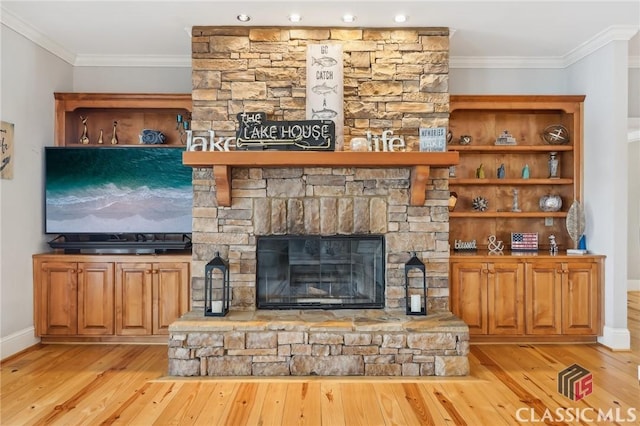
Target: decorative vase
550,203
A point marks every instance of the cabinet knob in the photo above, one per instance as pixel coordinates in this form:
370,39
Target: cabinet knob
148,271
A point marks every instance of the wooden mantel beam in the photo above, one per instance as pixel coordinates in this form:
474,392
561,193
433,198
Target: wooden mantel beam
223,162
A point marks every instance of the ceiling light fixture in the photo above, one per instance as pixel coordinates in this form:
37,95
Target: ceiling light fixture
294,17
348,18
243,17
399,19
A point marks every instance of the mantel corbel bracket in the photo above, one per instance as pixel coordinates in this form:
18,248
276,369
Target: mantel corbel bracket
222,177
419,179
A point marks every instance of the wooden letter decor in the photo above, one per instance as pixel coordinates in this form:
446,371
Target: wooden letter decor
255,132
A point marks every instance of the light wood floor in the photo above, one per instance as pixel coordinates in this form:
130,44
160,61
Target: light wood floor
121,384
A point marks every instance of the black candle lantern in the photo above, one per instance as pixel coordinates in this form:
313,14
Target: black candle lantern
217,292
415,291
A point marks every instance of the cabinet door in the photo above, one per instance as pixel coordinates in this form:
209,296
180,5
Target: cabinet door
580,310
469,294
170,294
543,294
133,299
505,298
57,299
95,298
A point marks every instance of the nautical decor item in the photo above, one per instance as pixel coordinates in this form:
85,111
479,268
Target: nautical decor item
550,203
555,134
524,241
255,132
480,172
465,140
84,138
494,246
114,136
500,173
506,139
101,137
415,286
575,226
553,165
152,137
480,204
182,126
525,172
217,292
553,245
515,207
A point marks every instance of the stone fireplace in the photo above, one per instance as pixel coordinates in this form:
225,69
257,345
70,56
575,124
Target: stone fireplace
393,79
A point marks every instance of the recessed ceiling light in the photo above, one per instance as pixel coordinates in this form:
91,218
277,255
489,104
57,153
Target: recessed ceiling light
348,18
399,19
294,17
243,18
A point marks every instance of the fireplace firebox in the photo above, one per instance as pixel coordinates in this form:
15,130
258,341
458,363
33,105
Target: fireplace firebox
320,272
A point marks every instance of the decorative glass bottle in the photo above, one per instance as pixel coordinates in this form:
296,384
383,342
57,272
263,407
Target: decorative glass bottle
553,165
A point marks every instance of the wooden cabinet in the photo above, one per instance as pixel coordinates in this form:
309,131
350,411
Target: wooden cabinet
132,112
531,297
109,297
150,296
488,296
484,118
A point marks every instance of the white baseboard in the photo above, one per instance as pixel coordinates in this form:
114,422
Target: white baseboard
633,285
18,341
615,338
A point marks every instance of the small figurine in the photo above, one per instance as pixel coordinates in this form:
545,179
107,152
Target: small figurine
515,207
480,204
480,172
100,138
525,172
506,139
452,171
84,139
553,165
465,140
553,246
114,137
501,171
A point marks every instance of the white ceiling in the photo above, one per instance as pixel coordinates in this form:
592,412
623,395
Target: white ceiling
504,33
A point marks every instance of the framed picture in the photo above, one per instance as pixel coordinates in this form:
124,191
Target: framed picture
6,155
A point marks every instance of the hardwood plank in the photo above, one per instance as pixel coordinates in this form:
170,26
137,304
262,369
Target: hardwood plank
331,407
389,405
218,404
302,405
360,405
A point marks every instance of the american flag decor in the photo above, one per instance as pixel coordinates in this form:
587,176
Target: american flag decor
524,241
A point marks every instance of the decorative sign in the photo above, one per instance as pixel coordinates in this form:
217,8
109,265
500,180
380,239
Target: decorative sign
385,142
6,157
524,241
460,245
255,132
433,139
325,83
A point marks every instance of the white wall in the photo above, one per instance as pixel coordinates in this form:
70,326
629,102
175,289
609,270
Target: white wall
634,92
30,75
603,77
507,81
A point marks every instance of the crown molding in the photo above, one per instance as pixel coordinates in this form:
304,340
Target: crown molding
614,33
176,61
33,34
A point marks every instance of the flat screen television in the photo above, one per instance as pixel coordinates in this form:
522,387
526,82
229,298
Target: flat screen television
117,190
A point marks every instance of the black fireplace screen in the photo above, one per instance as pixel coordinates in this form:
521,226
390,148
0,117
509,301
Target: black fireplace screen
314,272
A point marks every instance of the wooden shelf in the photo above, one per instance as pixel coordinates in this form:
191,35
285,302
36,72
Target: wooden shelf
223,162
509,182
509,149
492,215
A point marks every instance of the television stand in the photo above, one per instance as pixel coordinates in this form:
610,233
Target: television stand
121,243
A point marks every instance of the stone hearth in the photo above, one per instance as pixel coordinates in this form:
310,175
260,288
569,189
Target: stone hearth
323,343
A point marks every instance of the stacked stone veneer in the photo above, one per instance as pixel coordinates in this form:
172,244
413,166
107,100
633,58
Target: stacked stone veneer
393,79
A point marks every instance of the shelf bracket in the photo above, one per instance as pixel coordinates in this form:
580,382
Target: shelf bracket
222,177
419,179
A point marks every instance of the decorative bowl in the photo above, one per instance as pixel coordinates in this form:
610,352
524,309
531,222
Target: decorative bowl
550,203
555,134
